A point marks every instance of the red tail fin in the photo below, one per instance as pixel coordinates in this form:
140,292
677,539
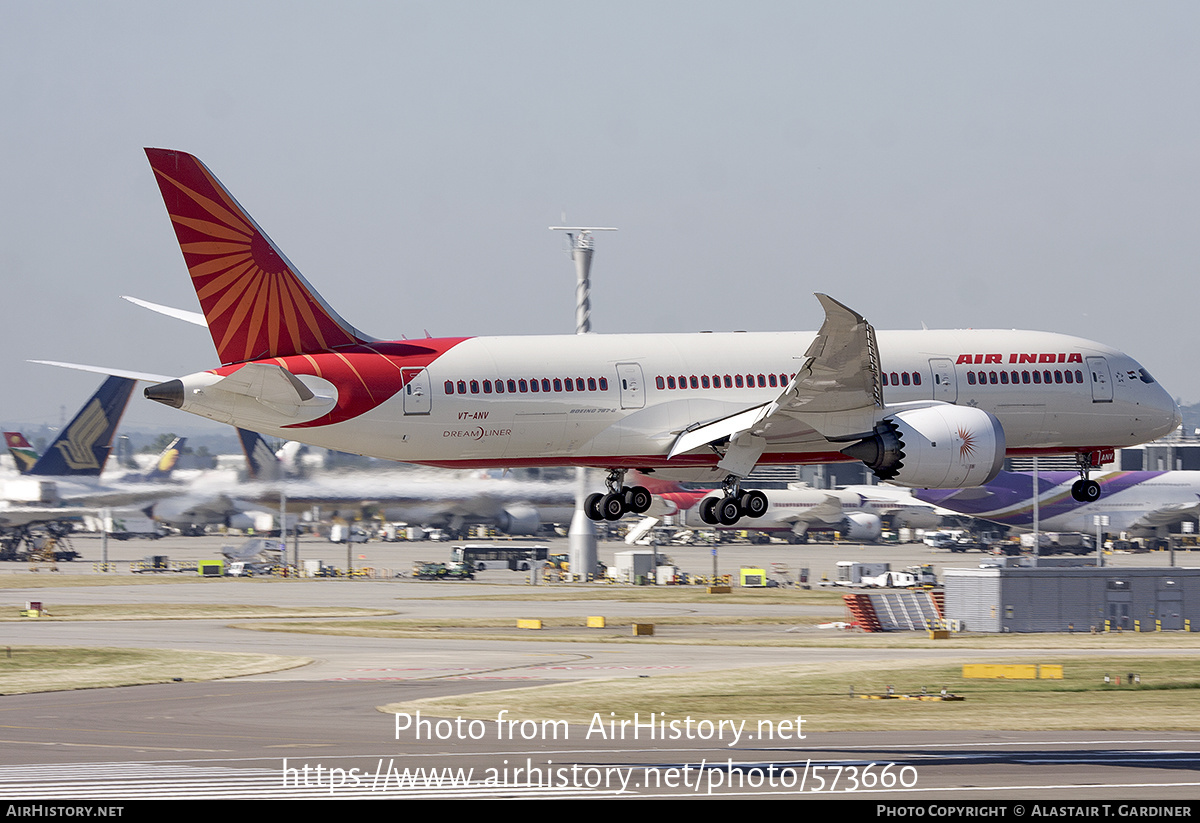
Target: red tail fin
256,303
656,486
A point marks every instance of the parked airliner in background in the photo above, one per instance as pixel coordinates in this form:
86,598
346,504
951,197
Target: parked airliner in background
427,498
1137,502
796,511
435,499
936,409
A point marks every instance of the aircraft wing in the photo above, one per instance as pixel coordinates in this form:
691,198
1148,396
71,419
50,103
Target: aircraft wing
836,392
1168,515
28,516
829,510
841,372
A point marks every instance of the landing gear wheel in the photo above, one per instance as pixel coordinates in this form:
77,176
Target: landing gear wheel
728,511
612,507
591,506
753,503
1086,491
637,499
708,510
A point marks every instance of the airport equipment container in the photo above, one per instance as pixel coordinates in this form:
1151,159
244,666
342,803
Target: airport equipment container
1073,599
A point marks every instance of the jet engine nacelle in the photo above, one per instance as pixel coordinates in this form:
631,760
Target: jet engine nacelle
519,520
258,520
915,517
934,447
862,527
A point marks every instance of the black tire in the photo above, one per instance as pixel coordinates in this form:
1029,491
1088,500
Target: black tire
591,506
729,512
638,499
708,510
1091,491
754,503
612,507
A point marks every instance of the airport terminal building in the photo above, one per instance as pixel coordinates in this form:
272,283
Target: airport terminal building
1078,598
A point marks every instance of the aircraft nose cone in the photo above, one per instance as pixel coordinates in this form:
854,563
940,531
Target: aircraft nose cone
1172,417
169,393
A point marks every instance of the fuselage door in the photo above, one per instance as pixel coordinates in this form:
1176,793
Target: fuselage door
1101,380
418,399
629,375
945,384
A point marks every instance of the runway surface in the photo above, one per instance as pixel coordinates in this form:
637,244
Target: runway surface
315,731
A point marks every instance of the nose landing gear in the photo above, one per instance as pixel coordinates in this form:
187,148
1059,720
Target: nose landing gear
1085,490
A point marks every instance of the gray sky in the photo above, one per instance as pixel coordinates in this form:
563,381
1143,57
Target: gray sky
1014,165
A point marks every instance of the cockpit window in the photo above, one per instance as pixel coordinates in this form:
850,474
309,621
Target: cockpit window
1145,375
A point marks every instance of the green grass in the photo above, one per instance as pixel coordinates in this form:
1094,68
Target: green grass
821,694
46,669
56,580
667,594
716,630
185,611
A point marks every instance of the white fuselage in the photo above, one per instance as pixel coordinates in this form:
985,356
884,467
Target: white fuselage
640,391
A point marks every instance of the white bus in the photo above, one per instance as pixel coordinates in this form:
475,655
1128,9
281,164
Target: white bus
512,556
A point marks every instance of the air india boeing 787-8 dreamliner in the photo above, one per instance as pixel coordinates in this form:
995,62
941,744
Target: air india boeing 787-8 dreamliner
932,409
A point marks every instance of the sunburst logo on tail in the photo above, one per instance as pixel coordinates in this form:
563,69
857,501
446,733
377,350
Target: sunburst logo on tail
255,305
966,449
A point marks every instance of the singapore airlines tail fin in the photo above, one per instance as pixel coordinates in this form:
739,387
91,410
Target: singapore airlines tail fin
255,301
82,449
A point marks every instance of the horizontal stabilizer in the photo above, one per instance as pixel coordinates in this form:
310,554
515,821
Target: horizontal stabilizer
193,317
126,373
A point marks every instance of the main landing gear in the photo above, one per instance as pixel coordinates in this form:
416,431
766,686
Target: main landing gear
734,505
1085,490
619,501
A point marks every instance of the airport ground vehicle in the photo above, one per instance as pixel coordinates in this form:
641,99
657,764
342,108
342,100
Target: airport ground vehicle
442,571
483,556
